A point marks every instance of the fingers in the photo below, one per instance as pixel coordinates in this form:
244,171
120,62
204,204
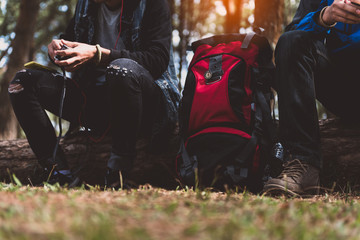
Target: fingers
343,11
349,11
53,46
66,62
346,20
69,43
56,43
71,64
73,67
339,15
66,52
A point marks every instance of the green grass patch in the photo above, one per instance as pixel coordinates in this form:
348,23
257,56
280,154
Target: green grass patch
52,212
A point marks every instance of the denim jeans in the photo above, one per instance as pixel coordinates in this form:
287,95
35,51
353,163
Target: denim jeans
127,103
306,70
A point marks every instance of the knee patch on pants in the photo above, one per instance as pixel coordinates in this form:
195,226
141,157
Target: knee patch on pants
16,85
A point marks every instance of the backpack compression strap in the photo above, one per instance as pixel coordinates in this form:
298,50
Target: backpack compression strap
262,118
189,167
238,173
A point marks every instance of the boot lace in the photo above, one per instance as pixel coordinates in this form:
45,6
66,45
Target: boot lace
293,169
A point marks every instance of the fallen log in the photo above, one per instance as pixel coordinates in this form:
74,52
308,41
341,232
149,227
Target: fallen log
341,155
340,147
17,158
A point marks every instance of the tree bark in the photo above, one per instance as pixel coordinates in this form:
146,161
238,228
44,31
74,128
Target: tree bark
233,15
341,154
269,15
22,43
340,147
17,158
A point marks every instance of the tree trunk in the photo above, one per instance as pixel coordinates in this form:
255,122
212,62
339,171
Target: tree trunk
17,158
22,43
233,15
182,45
186,26
269,15
340,147
341,154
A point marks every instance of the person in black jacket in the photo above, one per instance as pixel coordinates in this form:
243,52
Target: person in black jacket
314,60
123,83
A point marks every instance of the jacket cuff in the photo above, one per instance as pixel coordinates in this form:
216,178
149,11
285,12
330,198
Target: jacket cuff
310,23
114,54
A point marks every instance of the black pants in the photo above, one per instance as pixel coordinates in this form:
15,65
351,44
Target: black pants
127,103
305,71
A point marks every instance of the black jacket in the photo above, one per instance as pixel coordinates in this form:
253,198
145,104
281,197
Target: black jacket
155,33
148,23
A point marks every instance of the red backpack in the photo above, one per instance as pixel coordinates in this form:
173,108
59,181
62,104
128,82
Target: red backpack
225,117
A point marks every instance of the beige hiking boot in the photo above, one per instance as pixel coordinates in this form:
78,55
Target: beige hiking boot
296,179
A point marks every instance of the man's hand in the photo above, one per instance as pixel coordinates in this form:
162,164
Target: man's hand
77,53
53,46
342,11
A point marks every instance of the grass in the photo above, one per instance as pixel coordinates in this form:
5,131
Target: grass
52,212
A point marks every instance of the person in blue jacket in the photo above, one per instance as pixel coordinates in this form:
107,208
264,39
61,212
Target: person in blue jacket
123,84
316,58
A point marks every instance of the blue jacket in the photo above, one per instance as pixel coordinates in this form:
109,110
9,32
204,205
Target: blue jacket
342,37
151,49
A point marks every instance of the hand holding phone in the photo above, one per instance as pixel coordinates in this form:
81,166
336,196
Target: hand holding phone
60,58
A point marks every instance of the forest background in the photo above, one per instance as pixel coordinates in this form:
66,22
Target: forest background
27,26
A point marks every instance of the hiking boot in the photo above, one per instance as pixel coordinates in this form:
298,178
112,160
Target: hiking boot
64,178
118,169
296,179
57,171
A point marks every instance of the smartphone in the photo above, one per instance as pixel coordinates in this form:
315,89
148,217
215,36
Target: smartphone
58,57
356,4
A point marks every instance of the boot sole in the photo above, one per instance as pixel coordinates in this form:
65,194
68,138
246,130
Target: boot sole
278,190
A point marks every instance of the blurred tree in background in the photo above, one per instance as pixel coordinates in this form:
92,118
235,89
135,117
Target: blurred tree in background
269,15
27,26
233,15
21,46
